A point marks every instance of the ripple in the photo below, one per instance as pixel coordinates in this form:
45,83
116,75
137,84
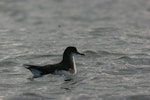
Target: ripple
34,56
102,31
90,52
125,58
8,63
120,72
138,97
129,71
136,61
101,53
130,97
29,96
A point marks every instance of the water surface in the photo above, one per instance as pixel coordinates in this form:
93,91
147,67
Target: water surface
114,35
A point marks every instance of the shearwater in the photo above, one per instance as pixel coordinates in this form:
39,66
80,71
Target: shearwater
66,66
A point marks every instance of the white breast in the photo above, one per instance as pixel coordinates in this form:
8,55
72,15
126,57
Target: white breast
74,66
63,72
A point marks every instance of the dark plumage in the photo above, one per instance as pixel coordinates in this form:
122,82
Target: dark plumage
67,64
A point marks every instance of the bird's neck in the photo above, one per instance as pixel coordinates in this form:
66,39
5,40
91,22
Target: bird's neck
68,60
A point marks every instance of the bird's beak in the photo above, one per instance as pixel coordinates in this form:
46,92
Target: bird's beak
80,54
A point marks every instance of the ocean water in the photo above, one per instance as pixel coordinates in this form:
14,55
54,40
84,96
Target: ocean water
113,34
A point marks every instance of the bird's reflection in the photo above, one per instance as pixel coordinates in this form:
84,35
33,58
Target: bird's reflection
70,83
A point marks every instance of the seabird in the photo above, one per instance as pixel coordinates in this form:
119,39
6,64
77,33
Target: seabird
66,66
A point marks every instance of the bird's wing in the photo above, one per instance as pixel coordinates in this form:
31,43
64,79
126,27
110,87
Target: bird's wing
42,70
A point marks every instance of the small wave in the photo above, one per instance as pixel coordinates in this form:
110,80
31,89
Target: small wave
33,56
90,52
29,96
99,63
125,58
129,71
136,61
8,63
119,72
97,53
139,36
138,97
141,54
103,30
129,97
106,53
102,53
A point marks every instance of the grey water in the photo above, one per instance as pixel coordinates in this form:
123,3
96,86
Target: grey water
113,34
